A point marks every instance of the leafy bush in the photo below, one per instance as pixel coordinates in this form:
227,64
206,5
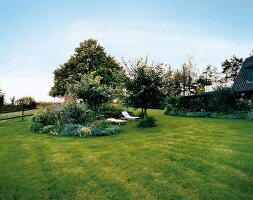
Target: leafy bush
249,115
97,132
113,130
172,100
197,104
107,131
218,115
110,110
48,129
71,129
53,132
223,100
74,114
102,124
60,115
70,119
46,118
168,109
103,128
244,104
149,121
37,127
84,132
140,114
193,103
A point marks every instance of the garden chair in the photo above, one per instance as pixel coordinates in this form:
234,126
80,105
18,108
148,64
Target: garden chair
116,121
127,116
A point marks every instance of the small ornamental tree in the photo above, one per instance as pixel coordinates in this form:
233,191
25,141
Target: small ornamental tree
91,91
144,86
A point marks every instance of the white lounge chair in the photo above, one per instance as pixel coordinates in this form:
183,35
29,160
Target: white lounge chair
127,116
116,121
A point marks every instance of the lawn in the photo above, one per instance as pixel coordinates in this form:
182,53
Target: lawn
182,158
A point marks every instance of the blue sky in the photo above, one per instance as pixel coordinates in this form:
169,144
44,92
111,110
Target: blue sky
37,36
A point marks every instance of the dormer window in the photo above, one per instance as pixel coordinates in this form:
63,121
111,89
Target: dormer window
250,73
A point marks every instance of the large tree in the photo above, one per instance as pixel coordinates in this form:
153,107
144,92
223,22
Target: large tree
177,83
231,68
145,85
208,77
168,78
187,76
88,57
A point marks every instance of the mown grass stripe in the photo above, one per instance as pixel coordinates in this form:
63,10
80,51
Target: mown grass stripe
182,158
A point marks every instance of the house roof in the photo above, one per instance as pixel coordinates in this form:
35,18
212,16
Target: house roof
241,83
248,62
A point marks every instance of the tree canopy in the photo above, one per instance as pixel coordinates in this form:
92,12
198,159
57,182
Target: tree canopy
145,86
91,91
231,68
27,102
88,57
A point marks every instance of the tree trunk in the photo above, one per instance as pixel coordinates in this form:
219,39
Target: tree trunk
145,113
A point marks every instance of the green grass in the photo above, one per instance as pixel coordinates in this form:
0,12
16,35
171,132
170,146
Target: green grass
181,158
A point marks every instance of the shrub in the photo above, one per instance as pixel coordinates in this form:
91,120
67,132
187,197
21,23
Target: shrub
197,104
103,128
218,115
140,115
97,132
46,118
149,121
84,132
244,104
168,109
113,130
172,100
107,131
110,110
52,132
102,124
223,100
71,129
99,128
249,115
37,127
74,114
59,115
48,129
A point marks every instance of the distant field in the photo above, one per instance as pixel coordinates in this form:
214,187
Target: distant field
182,158
16,114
